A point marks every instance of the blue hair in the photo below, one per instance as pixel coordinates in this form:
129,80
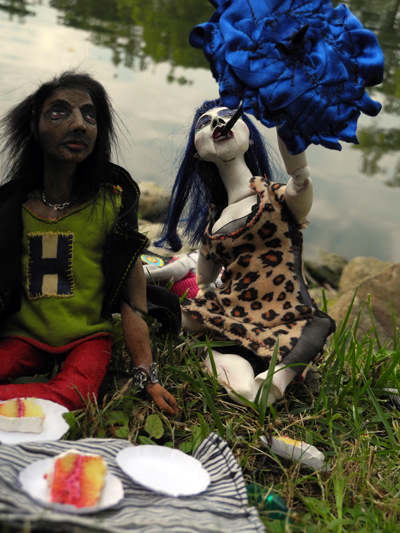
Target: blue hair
198,185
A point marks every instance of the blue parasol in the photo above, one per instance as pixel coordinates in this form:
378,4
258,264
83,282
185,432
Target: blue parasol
300,64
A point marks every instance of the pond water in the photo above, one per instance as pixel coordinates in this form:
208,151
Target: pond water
138,49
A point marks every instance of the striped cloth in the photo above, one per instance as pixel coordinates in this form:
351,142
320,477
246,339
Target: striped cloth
223,507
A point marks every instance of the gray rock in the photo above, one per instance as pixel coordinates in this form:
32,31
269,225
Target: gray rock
153,201
381,287
333,261
316,294
327,271
150,229
357,270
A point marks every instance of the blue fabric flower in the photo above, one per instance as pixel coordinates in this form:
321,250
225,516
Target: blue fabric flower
301,64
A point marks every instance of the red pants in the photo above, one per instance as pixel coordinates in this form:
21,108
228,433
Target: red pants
84,368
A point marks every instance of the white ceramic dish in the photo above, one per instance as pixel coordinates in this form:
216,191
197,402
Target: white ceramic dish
164,470
35,485
54,426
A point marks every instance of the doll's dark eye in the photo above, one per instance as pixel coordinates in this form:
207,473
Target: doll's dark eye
90,117
202,122
89,113
206,119
57,112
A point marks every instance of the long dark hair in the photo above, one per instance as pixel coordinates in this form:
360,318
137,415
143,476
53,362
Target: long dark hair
198,184
22,155
23,166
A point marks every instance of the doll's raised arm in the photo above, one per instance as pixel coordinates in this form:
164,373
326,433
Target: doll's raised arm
299,189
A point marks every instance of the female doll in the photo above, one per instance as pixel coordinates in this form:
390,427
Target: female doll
250,228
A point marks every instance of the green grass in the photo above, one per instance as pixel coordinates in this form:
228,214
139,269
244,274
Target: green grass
341,409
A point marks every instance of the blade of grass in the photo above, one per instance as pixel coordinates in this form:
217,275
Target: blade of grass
214,344
395,329
387,374
373,322
213,366
339,488
210,403
324,301
340,352
369,358
266,386
382,417
343,323
171,357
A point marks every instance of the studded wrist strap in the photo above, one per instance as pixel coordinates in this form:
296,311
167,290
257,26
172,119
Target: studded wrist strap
141,377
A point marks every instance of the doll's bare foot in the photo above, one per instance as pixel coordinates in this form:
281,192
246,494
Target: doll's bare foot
275,393
283,375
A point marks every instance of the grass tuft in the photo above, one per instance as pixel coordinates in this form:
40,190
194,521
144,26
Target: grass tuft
341,408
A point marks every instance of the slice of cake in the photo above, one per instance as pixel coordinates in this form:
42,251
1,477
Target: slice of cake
77,479
21,414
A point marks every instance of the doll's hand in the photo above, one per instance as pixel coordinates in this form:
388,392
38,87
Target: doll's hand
162,398
301,179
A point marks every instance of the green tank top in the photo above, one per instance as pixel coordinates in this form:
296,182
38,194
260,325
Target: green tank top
62,275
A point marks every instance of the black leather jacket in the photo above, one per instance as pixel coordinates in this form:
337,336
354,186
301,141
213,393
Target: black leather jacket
122,248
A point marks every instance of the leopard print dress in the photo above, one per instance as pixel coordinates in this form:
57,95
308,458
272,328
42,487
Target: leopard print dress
263,294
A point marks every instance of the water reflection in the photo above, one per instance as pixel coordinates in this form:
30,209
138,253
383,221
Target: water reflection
139,49
376,142
139,31
18,9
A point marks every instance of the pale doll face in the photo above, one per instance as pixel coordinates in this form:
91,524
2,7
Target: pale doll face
211,146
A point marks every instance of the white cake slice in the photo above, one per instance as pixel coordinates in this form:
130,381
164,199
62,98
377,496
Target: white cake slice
21,414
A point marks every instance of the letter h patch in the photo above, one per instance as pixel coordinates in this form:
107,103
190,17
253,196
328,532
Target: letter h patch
50,265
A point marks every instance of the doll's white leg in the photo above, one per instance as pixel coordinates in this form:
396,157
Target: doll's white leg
188,324
236,375
283,376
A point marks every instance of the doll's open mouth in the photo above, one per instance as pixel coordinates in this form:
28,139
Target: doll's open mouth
218,137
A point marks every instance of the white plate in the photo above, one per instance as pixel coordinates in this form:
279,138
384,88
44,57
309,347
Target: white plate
164,470
54,426
35,485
